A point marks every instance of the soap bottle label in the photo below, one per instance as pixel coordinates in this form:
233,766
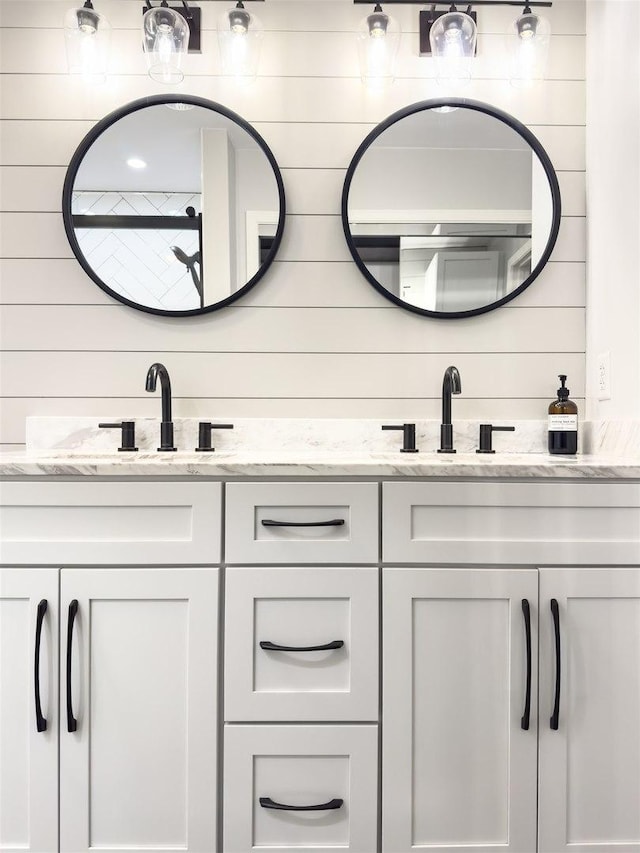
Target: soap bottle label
563,423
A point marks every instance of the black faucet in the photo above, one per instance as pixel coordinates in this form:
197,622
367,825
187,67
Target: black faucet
451,384
166,427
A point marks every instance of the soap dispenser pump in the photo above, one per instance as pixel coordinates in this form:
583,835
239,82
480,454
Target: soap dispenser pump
563,422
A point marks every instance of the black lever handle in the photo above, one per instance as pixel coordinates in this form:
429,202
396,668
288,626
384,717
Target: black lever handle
204,435
274,647
334,522
128,439
526,612
486,431
41,723
408,436
268,803
555,717
72,723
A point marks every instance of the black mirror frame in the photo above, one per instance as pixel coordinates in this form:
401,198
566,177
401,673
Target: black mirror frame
507,119
111,119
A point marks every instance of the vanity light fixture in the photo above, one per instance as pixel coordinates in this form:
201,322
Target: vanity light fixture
529,47
87,37
450,37
167,35
378,39
240,36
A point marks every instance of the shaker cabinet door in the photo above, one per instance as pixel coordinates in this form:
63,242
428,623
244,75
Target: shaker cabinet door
138,722
589,710
459,769
28,710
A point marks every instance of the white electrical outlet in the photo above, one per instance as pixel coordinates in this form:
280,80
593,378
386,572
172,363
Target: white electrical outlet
604,376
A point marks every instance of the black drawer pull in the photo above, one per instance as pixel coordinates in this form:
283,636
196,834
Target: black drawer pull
72,723
268,803
526,612
274,647
41,723
555,717
334,522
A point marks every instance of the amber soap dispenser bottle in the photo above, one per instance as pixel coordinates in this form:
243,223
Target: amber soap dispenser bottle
563,422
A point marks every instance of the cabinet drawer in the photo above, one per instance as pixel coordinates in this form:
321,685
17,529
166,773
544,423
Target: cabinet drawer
301,608
105,523
300,766
534,523
302,523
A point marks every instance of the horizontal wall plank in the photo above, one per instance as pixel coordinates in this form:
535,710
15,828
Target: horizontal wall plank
284,54
294,330
240,375
16,409
306,238
286,285
295,145
298,99
308,191
566,16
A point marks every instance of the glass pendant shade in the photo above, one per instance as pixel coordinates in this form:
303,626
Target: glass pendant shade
378,39
529,48
87,37
453,45
240,36
165,35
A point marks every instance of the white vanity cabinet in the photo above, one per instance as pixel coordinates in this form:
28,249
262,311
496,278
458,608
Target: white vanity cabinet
476,581
301,668
129,757
459,771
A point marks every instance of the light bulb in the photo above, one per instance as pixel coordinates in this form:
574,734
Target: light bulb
163,44
529,48
240,37
378,38
453,45
165,41
87,38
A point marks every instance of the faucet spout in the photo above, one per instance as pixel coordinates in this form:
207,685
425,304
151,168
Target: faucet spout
166,427
451,384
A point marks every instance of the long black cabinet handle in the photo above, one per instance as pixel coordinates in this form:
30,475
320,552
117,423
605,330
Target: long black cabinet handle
72,723
334,522
41,723
274,647
526,612
268,803
555,717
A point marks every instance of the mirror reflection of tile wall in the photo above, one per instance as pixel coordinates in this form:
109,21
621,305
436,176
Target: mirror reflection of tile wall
140,264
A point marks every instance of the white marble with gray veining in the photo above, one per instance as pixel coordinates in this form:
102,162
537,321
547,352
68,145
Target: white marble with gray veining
70,447
614,438
83,436
320,463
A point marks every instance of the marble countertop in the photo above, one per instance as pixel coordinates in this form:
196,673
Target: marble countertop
315,463
77,447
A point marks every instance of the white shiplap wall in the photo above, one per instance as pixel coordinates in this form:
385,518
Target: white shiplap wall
313,339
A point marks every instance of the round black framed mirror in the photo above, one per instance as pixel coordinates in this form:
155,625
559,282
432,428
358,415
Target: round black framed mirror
451,208
174,205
